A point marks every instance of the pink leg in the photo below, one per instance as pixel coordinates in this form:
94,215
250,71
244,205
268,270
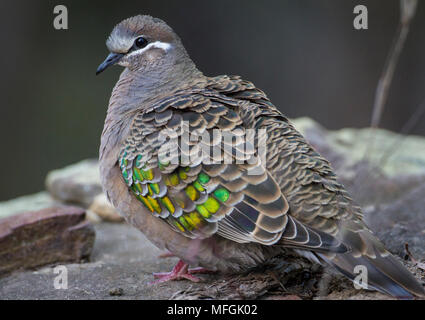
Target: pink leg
180,272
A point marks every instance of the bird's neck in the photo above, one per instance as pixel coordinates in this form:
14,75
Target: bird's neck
135,91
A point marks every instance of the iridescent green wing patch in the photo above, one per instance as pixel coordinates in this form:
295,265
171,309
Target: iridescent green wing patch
200,210
196,199
199,201
180,197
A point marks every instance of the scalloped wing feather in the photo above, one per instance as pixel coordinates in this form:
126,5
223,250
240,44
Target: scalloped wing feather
200,196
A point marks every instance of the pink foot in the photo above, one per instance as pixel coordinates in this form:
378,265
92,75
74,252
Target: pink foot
180,272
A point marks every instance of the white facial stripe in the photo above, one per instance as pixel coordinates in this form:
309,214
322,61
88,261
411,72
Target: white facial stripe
157,44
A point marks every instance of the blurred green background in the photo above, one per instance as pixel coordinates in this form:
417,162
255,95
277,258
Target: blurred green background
305,54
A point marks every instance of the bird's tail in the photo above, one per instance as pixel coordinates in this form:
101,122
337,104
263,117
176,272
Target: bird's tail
382,270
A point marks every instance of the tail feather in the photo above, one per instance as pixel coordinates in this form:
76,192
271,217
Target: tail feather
384,272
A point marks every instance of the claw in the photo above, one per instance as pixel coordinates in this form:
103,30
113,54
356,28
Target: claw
181,271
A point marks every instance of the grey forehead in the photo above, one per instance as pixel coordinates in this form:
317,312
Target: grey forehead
122,36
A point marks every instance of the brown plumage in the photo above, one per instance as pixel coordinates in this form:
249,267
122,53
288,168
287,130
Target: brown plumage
225,215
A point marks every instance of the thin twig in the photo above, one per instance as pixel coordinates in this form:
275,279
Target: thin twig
419,264
408,9
407,12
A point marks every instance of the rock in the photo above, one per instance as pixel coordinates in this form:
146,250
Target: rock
77,184
92,217
122,257
386,177
122,263
116,292
402,221
104,209
393,153
36,201
37,238
80,184
390,191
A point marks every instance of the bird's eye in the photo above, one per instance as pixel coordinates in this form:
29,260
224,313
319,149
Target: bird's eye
140,42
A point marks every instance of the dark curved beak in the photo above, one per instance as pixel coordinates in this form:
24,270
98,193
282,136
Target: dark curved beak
110,60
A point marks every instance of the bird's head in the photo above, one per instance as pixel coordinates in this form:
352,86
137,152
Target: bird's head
142,43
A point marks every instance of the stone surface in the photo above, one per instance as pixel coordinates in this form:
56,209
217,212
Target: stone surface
78,183
36,238
123,260
386,177
388,182
393,153
401,222
104,209
36,201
